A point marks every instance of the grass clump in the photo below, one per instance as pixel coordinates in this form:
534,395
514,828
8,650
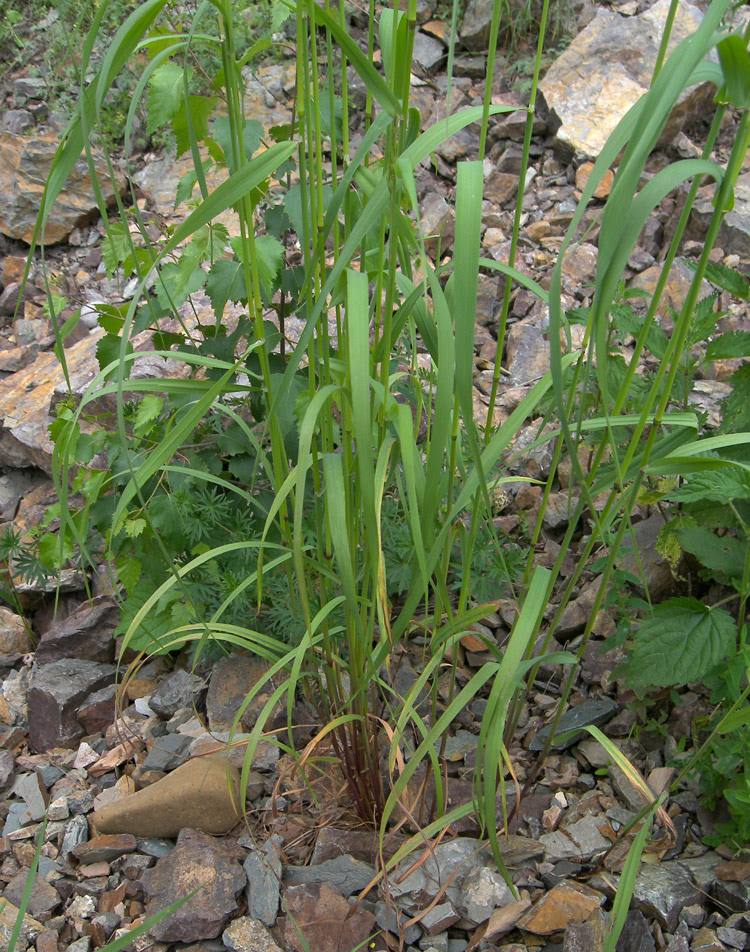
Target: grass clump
331,466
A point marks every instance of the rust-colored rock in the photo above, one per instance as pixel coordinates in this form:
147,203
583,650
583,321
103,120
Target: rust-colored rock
198,862
325,919
202,794
566,903
607,68
25,162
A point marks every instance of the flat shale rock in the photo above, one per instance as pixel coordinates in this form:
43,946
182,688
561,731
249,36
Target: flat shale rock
25,163
231,680
579,842
607,68
325,919
25,399
30,929
662,891
197,795
249,935
14,637
55,693
562,905
198,860
88,634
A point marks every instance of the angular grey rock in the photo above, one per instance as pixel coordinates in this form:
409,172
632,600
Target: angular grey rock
391,919
482,891
56,691
607,68
77,831
590,712
18,817
44,898
168,752
735,896
30,788
263,870
438,919
475,31
30,927
527,353
734,234
661,892
180,689
345,874
455,858
438,224
248,935
25,162
88,634
7,769
580,841
198,860
428,51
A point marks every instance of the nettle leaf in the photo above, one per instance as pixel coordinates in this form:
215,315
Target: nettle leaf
128,572
54,551
293,207
221,131
148,410
725,278
723,556
200,108
226,282
108,351
717,485
681,641
628,322
732,344
735,409
165,92
134,527
177,281
270,259
115,247
188,182
703,321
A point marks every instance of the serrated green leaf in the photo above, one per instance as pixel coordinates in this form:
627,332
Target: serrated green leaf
177,281
200,108
723,556
226,282
270,259
128,572
735,409
718,485
704,319
221,131
725,278
148,410
165,92
134,527
108,351
679,643
188,182
53,551
729,345
115,247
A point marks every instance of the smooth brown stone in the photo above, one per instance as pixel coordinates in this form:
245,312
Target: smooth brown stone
196,795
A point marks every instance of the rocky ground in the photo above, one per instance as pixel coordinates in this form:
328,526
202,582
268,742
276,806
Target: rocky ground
134,786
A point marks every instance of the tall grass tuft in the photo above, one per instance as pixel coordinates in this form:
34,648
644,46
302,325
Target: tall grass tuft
373,405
